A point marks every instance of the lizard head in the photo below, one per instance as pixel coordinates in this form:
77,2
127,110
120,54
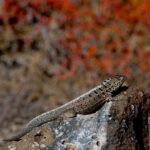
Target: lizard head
117,82
114,83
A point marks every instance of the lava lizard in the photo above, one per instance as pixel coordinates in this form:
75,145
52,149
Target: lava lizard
83,104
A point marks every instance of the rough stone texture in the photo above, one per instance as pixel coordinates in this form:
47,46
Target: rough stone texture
120,124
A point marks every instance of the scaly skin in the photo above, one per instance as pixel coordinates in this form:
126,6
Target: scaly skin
83,104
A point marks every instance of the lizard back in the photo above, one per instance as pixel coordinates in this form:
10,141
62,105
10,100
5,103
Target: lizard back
93,99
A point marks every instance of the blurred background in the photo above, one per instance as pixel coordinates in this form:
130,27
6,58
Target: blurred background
51,51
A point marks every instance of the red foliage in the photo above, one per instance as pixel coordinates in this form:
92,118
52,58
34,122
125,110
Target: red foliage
93,34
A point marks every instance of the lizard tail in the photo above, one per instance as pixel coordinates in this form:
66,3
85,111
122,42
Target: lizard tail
16,137
37,121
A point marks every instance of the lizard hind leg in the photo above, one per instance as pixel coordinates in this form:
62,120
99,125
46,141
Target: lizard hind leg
67,114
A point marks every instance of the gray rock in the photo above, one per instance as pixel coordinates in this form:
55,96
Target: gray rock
82,132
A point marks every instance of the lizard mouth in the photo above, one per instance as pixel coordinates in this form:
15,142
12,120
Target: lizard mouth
125,83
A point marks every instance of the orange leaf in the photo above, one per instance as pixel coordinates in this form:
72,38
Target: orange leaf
91,51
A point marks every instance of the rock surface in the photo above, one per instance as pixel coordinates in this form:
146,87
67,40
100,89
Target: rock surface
119,124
